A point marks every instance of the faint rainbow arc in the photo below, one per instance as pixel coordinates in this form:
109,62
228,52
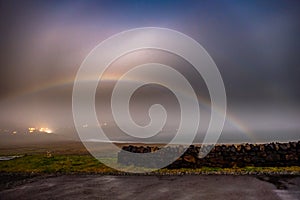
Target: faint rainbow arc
69,82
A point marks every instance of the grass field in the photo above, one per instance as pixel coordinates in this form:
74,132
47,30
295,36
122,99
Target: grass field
40,163
72,157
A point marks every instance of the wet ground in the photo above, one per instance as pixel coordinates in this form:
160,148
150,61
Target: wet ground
153,187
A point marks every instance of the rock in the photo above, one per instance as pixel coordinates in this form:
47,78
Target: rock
247,147
189,158
261,147
262,154
232,149
273,157
217,148
291,157
238,147
283,147
276,146
234,158
247,159
271,146
293,145
255,148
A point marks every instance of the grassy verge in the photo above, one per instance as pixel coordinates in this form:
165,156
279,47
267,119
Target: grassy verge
54,164
87,164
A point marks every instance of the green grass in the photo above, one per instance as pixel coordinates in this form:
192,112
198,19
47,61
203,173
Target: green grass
40,163
240,171
55,164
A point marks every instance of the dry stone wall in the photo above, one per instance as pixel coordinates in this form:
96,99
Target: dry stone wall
260,155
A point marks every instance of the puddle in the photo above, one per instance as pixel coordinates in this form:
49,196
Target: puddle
4,158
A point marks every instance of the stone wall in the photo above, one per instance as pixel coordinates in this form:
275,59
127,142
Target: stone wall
260,155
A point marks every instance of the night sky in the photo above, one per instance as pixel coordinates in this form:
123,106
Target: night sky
255,45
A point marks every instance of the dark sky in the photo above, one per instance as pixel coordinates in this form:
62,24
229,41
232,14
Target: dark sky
255,45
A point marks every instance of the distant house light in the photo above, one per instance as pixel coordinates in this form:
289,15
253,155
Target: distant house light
31,130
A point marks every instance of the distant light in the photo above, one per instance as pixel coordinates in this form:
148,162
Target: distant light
85,126
14,132
46,130
31,130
